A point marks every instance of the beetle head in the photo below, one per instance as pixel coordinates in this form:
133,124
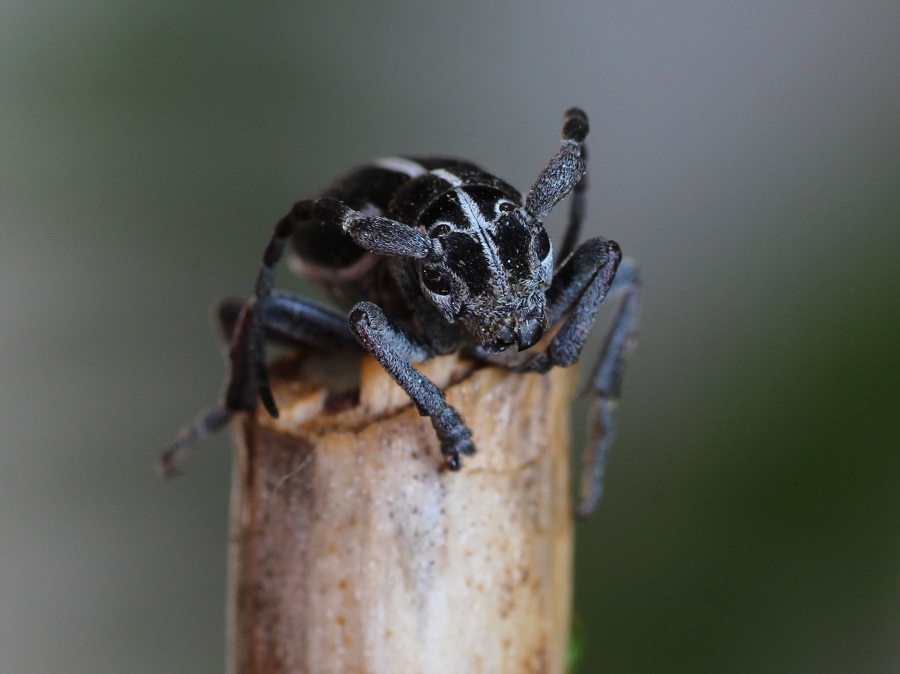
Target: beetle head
490,266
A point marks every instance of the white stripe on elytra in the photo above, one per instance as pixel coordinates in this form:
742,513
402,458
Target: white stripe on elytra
445,175
407,167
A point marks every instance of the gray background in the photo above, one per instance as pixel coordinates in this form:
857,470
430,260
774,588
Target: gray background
745,153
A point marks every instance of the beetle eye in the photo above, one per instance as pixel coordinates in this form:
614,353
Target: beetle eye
439,230
543,244
506,207
436,281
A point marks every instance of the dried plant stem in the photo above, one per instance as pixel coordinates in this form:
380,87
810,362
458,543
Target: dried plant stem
354,552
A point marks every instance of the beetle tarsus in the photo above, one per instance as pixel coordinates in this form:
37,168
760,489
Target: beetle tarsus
206,424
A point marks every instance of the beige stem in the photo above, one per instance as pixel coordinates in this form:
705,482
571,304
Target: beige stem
353,551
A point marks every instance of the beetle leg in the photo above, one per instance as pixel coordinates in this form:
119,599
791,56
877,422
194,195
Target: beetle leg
395,348
240,394
592,273
292,320
285,318
606,385
579,287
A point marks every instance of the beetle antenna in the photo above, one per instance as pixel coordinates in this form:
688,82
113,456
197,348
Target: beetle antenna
560,176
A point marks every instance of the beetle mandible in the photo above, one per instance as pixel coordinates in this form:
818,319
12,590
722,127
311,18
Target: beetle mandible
433,255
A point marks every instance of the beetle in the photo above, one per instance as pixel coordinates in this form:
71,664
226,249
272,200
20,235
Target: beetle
434,255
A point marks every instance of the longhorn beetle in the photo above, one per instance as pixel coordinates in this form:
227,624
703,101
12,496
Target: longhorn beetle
432,255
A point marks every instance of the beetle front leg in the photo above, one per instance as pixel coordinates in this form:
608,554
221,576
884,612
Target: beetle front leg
592,273
578,289
395,348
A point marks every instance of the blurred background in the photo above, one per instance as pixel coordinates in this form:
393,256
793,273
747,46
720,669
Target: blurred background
746,154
